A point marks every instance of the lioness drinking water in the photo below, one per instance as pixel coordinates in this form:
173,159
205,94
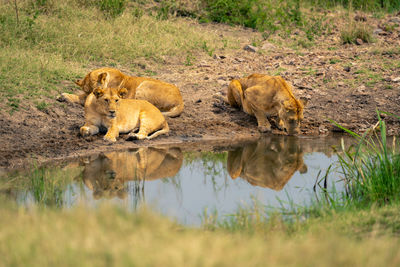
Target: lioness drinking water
261,96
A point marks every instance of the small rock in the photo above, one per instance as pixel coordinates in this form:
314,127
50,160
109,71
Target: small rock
250,48
361,89
267,46
206,78
204,64
238,59
340,83
222,82
360,18
303,87
322,129
218,57
297,82
347,68
396,80
395,20
359,41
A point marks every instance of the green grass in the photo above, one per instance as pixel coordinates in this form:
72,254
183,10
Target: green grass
366,5
371,168
267,17
354,31
53,41
31,73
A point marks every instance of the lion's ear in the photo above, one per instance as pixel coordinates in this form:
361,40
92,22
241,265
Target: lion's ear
79,83
103,79
98,92
123,92
304,101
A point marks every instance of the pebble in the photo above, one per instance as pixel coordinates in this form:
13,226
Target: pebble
250,48
268,46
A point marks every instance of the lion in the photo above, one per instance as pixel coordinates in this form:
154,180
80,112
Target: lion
261,96
105,107
270,162
164,96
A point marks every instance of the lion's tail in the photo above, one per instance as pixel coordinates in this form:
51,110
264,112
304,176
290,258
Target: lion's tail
175,111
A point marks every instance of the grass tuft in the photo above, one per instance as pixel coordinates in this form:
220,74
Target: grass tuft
371,168
355,31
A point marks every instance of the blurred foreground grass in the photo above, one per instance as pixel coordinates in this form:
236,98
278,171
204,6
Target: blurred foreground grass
111,236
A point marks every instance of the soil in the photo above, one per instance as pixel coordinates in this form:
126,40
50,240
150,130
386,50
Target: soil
337,79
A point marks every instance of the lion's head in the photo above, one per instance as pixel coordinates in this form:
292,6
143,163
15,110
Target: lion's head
93,80
291,115
107,100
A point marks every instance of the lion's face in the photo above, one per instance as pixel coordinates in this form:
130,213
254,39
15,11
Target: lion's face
93,80
291,117
107,100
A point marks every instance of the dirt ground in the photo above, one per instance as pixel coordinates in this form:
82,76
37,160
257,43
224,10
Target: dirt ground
328,74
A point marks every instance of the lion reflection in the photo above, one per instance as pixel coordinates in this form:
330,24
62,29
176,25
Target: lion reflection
270,162
106,174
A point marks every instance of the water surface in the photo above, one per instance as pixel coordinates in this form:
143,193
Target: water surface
275,171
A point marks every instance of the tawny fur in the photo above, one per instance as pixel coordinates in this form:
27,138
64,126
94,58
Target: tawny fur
262,96
105,107
164,96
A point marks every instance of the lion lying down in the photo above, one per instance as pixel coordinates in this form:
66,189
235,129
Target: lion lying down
261,96
104,107
164,96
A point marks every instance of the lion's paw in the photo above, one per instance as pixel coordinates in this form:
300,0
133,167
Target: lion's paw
110,139
264,129
85,131
62,98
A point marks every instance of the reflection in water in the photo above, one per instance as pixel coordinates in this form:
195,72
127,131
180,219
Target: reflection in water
106,174
270,162
200,179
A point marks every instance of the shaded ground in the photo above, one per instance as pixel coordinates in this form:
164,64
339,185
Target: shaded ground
346,83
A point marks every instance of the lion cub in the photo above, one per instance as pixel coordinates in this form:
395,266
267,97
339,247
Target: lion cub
261,96
164,96
105,107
